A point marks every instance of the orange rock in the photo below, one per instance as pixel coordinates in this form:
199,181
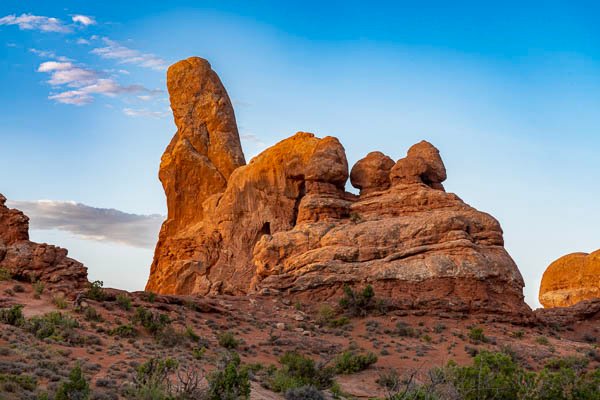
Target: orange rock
372,173
571,279
285,224
422,164
36,262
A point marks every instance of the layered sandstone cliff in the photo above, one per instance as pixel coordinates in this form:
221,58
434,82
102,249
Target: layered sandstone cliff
285,224
571,279
33,262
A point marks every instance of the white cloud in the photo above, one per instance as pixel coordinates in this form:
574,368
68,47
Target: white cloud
82,41
100,224
144,113
79,84
83,20
35,22
49,54
249,137
124,55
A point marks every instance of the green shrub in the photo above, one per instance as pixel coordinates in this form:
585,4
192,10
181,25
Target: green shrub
12,316
492,376
189,332
154,323
543,340
358,303
5,274
228,340
297,371
38,289
95,292
149,297
25,382
59,301
349,363
476,334
152,379
405,330
124,302
54,325
90,314
304,393
230,383
75,388
124,331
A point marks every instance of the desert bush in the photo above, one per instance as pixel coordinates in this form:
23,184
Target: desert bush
152,322
18,289
497,376
54,325
405,330
95,292
21,381
90,314
228,340
358,303
476,334
124,302
170,337
492,376
12,315
75,388
543,340
59,301
229,383
298,371
5,274
304,393
124,331
38,289
152,379
349,362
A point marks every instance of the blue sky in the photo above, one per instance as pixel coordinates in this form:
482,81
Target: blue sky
510,94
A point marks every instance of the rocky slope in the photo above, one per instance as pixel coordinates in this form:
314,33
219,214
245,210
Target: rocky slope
33,261
571,279
285,224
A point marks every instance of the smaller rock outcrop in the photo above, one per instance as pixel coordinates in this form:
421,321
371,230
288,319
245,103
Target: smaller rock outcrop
571,279
31,261
372,173
422,164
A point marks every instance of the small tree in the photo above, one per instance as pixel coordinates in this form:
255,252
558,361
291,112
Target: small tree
230,383
75,388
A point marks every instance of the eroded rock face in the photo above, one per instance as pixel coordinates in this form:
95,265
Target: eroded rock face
33,261
571,279
285,224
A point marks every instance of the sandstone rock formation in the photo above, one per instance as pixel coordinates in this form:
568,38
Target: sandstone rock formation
571,279
285,224
32,261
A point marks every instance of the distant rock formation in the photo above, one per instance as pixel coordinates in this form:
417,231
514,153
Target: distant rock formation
571,279
285,224
32,261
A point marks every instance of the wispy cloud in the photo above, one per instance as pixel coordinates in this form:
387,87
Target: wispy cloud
251,138
83,83
143,112
125,55
49,54
91,223
35,22
84,20
82,41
